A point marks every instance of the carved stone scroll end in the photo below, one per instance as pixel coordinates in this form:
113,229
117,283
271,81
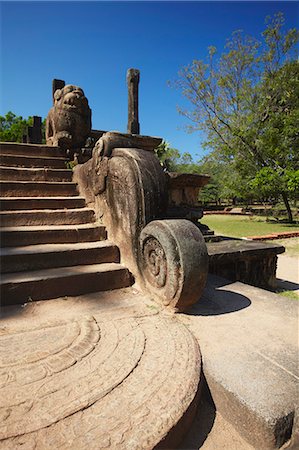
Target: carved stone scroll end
173,262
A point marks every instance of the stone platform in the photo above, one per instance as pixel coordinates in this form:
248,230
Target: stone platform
249,343
112,370
106,370
243,260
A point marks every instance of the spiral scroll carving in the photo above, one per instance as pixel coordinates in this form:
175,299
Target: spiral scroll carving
155,262
173,262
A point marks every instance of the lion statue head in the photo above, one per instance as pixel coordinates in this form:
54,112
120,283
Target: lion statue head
68,123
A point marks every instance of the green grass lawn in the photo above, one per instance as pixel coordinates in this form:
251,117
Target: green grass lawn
244,226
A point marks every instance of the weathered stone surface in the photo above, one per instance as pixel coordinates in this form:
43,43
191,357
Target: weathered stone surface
52,234
21,287
16,148
44,256
114,139
37,188
32,161
32,272
128,190
34,174
56,84
47,217
133,77
173,262
104,379
68,123
249,358
247,261
183,189
181,180
35,132
25,203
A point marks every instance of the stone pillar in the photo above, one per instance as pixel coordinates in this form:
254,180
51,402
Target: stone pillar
57,84
133,76
35,132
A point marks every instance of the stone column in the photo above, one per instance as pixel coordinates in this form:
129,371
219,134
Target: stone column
133,76
57,84
35,132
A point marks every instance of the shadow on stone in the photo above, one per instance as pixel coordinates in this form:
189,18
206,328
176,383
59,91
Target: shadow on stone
203,421
11,311
214,305
287,285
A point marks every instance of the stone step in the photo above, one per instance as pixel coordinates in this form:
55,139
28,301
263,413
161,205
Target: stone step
22,149
21,287
33,161
52,234
34,174
44,256
250,360
47,217
25,203
37,188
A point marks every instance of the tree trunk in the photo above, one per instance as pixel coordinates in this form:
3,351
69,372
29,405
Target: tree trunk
287,205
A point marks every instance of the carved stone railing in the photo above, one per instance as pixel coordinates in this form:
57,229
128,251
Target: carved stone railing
125,184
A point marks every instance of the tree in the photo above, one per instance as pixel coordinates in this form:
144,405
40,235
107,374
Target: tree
168,156
247,103
12,127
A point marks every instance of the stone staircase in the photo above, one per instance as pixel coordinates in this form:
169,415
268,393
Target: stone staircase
51,244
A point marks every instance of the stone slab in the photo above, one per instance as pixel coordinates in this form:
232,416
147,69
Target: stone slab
32,161
233,247
56,282
181,180
210,431
47,217
15,148
249,344
99,371
35,174
25,203
29,235
37,188
246,261
44,256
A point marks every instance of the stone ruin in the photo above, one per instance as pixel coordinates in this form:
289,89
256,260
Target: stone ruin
100,364
175,196
125,184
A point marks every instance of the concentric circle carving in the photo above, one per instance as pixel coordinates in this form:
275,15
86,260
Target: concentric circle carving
116,384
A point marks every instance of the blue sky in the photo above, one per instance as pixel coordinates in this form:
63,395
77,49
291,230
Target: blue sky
92,44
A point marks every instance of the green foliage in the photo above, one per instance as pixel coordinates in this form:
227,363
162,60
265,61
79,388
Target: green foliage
247,103
167,156
172,161
12,127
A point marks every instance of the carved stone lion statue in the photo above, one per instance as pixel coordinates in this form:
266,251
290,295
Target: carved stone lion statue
68,123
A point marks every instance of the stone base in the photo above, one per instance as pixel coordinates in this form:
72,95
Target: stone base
250,262
249,344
